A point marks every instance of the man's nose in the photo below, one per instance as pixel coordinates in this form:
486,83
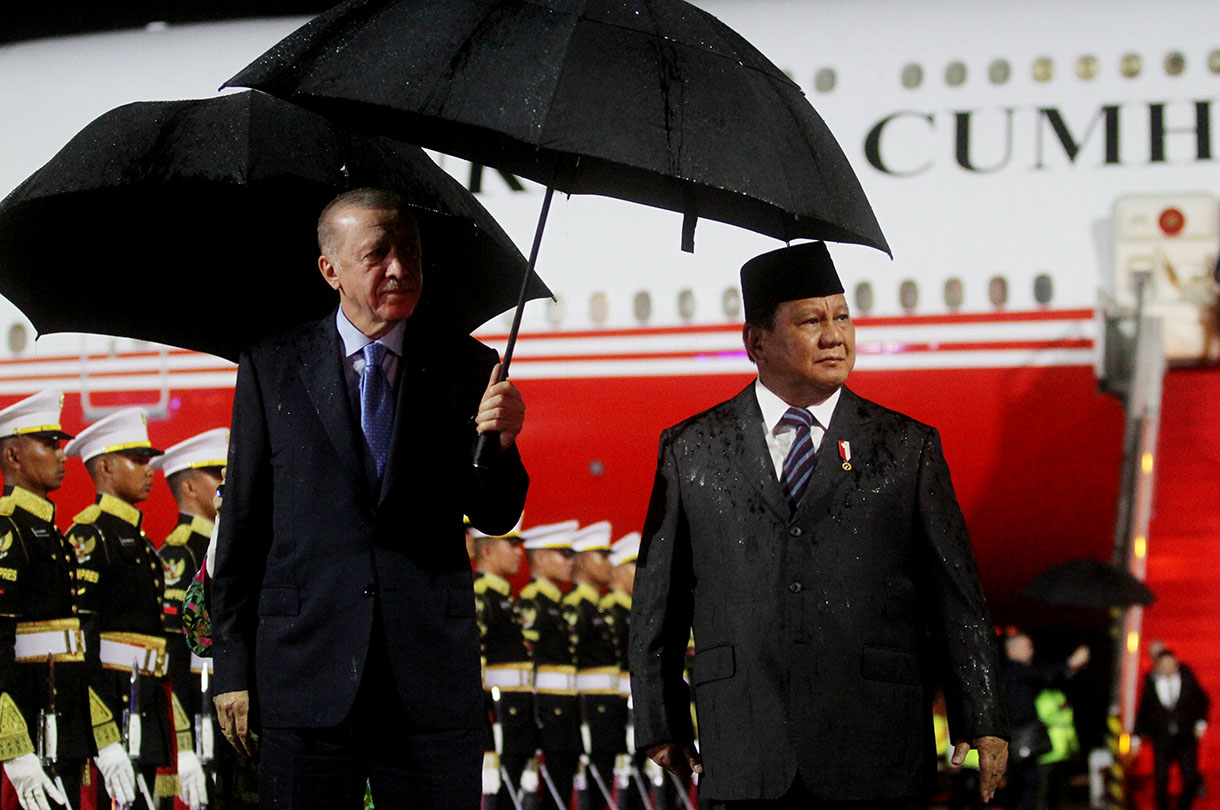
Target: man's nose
832,335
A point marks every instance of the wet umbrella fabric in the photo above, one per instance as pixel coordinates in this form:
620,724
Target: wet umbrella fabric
1088,583
193,223
653,101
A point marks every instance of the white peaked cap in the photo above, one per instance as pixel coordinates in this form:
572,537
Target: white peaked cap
625,549
34,415
207,449
514,532
550,535
125,430
594,537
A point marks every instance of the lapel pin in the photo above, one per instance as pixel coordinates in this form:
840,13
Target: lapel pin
845,454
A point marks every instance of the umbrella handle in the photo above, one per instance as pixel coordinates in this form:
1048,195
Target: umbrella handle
488,445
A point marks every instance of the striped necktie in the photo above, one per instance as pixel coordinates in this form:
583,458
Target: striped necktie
376,405
798,466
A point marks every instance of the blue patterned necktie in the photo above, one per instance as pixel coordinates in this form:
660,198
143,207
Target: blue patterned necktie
376,405
798,466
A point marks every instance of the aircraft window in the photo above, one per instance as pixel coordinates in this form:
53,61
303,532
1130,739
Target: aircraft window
824,80
908,295
954,293
1044,69
999,71
864,297
997,291
599,308
642,306
1213,61
18,338
1044,289
1131,65
555,311
912,76
1087,67
730,303
686,304
955,74
1175,63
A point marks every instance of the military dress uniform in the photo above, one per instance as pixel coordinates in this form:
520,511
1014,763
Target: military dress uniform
616,606
42,664
549,628
181,556
508,671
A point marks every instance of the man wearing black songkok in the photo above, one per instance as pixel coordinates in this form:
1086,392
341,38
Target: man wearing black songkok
812,540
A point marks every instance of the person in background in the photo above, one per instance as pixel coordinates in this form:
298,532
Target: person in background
1056,712
1172,714
42,654
616,605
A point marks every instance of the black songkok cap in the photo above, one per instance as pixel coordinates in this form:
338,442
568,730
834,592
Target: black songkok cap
788,274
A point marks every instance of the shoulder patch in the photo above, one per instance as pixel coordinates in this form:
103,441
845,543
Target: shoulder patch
88,515
179,535
7,505
480,584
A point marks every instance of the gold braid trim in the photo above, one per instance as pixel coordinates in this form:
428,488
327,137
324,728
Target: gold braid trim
105,730
165,785
14,735
182,726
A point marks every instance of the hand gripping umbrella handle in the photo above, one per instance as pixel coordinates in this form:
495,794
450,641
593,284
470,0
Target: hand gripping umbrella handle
488,445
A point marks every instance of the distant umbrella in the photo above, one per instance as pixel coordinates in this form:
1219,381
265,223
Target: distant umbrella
1088,583
192,223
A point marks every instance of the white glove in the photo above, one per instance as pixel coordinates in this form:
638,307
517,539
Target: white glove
491,773
31,783
192,784
117,773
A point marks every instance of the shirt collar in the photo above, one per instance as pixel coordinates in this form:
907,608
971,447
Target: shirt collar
773,408
354,340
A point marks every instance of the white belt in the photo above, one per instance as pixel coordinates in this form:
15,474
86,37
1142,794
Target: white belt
597,682
199,664
60,639
555,681
624,684
119,651
513,676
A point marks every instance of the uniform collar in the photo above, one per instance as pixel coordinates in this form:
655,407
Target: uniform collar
548,589
119,508
496,583
584,590
40,508
198,523
617,597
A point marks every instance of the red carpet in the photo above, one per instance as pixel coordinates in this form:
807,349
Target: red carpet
1184,554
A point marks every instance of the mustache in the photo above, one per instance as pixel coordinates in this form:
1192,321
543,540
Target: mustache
397,285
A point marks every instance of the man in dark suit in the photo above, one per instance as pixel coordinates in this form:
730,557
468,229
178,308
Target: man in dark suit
812,540
1173,714
344,615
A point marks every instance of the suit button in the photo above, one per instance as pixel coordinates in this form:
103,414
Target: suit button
795,531
796,587
370,591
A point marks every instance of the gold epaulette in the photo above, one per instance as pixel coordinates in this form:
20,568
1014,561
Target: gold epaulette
7,505
201,525
179,536
88,515
491,582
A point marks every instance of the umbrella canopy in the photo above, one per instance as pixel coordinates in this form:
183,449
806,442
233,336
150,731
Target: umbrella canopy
193,223
653,101
1088,583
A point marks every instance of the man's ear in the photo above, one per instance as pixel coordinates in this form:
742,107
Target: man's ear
751,336
329,271
9,455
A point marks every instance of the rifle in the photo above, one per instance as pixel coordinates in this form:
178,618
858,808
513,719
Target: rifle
132,733
48,731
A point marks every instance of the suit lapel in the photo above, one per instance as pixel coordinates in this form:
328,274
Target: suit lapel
849,424
746,447
319,363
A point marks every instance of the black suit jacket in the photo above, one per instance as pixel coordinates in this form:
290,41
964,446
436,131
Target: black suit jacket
815,632
1162,723
306,547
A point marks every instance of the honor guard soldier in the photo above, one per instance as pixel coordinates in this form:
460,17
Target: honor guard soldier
616,605
121,585
45,732
192,471
508,675
550,631
604,725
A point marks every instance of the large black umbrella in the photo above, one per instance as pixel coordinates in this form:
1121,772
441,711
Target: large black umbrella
653,101
192,223
1088,583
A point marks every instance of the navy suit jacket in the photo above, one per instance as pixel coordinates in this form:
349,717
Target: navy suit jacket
817,633
307,547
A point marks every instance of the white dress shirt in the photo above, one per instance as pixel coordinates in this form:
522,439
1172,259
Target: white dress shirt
354,342
779,437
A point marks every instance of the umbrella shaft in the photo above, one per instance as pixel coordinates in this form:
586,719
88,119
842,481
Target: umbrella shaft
512,335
